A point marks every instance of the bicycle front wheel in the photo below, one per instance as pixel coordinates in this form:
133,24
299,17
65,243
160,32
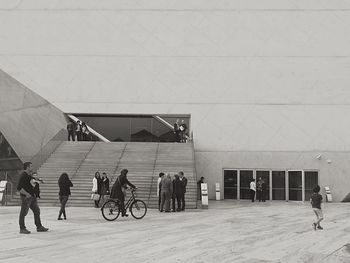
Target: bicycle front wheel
138,209
110,210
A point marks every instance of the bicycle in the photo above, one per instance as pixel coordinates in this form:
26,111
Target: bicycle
111,209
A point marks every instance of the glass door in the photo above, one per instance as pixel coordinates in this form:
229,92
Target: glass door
311,180
278,185
295,185
263,185
230,184
245,177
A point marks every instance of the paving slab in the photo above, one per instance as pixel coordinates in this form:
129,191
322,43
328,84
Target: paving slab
229,231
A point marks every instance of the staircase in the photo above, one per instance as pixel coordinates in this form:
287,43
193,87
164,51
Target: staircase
80,160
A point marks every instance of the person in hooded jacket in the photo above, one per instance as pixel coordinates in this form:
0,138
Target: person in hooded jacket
118,189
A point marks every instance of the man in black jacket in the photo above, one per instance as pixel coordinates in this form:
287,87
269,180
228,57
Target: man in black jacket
183,179
29,200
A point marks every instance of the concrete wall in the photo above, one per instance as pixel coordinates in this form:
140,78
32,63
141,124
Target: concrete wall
27,121
264,81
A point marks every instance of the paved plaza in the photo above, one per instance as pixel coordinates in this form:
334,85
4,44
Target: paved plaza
229,231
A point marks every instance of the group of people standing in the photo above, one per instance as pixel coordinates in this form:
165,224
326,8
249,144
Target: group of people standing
171,190
78,131
100,188
258,188
180,131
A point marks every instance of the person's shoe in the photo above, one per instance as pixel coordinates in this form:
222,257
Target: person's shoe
125,215
314,226
24,231
319,227
42,229
65,218
59,218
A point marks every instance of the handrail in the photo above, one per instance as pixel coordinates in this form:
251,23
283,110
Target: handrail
154,169
98,135
195,171
163,121
117,166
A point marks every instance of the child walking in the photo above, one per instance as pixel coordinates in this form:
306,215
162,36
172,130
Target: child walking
315,201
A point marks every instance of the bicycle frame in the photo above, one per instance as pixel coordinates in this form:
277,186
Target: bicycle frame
130,201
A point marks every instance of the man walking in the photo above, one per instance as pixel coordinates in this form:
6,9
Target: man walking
29,200
70,129
183,179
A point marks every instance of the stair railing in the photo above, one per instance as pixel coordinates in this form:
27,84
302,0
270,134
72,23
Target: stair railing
154,169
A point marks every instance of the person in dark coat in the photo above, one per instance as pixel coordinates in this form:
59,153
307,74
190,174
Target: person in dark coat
104,186
119,187
173,195
70,130
179,192
64,184
183,179
177,131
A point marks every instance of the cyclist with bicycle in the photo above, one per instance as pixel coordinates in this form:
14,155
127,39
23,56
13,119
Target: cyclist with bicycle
119,187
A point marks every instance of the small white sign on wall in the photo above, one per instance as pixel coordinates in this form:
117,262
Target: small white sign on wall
217,190
204,190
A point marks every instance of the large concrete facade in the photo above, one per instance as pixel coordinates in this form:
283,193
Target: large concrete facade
265,82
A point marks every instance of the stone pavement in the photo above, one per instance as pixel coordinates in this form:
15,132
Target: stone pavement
229,231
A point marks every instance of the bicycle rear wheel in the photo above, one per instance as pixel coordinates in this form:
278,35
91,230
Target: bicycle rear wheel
138,209
110,210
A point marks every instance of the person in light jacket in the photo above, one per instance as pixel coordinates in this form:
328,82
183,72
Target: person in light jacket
161,175
166,191
96,182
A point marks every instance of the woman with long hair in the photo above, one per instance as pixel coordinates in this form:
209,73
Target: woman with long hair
96,187
64,184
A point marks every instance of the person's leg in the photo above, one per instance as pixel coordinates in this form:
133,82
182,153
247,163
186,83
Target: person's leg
252,194
25,204
162,202
61,209
178,199
183,202
36,210
167,202
173,202
63,206
159,199
319,215
122,205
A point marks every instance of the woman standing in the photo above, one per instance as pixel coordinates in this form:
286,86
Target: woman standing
104,186
64,184
96,188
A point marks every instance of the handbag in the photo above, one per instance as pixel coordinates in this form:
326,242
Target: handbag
95,197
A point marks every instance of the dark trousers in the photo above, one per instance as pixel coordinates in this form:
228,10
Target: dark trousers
182,197
159,199
71,136
63,201
179,202
32,203
173,202
79,136
263,197
252,195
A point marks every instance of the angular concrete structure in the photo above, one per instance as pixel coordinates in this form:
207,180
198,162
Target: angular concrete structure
27,121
